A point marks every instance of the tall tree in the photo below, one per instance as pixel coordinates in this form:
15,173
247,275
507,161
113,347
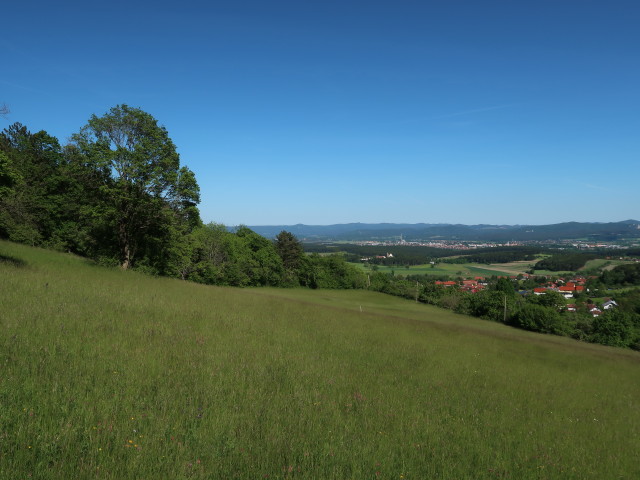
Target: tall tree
143,174
291,252
31,210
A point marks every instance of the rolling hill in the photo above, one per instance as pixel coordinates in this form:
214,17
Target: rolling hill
113,374
422,231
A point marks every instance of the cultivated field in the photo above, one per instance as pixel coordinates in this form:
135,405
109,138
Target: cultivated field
111,374
449,269
604,264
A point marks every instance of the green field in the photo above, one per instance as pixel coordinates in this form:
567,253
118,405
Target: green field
604,264
449,269
112,374
550,273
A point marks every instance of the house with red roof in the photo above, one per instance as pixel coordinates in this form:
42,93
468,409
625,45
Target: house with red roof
567,291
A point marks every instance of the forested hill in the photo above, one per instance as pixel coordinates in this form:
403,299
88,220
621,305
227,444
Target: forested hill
424,231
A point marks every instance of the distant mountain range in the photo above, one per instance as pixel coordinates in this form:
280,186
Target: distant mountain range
428,232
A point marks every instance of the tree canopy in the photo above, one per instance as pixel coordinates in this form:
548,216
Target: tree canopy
142,177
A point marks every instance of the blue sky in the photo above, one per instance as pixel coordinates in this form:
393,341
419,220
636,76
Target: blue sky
503,112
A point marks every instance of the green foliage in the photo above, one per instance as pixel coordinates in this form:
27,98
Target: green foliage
142,174
622,275
185,197
8,175
291,252
629,301
498,255
491,305
504,285
419,255
565,262
259,257
538,318
115,192
615,328
554,300
33,204
333,271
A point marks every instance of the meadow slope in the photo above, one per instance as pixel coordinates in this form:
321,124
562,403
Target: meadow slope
116,375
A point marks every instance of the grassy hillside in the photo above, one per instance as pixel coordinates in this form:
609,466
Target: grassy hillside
111,374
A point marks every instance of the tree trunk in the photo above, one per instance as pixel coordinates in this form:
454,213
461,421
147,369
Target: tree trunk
125,247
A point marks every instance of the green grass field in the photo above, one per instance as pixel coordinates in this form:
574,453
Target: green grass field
604,264
449,269
116,375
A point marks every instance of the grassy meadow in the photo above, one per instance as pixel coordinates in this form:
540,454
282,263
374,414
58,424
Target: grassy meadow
115,375
449,269
604,264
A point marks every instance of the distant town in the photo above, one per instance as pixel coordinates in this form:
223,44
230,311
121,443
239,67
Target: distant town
468,245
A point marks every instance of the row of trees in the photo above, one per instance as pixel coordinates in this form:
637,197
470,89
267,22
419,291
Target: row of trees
498,255
565,261
622,275
214,255
117,193
403,255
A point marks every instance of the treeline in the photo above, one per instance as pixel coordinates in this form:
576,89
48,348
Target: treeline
565,261
216,256
622,275
118,194
401,254
536,313
502,255
417,255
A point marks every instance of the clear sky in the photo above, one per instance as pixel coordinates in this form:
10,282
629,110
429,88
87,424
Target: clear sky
322,112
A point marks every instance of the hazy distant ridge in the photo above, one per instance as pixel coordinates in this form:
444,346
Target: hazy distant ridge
424,231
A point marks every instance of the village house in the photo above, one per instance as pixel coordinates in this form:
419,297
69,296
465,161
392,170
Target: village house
566,291
594,310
